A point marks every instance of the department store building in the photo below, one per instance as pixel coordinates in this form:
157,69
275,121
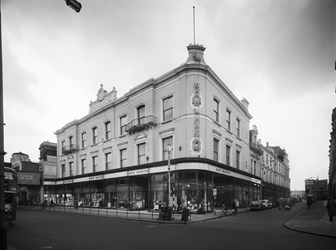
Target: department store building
186,120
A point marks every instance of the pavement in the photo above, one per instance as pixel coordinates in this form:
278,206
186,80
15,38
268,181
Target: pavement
313,221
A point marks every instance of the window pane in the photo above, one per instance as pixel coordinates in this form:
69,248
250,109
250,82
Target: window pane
142,153
215,149
168,108
108,161
168,103
168,115
228,155
165,142
83,140
123,123
107,130
123,158
141,114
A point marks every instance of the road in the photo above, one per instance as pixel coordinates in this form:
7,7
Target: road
37,229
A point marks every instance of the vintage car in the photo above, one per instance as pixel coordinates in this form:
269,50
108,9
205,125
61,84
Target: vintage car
256,205
266,204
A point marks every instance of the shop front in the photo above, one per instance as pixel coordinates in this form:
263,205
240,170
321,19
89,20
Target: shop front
199,190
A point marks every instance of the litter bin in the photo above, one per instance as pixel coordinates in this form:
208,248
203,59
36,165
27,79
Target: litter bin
165,214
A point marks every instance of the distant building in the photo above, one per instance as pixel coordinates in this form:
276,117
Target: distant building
48,162
317,188
298,193
29,177
332,156
275,172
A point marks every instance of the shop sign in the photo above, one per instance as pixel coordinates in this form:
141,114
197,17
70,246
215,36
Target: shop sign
96,177
255,180
9,176
138,172
28,178
67,181
223,171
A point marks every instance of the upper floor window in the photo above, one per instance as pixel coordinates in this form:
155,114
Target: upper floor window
123,124
123,157
107,130
255,167
94,163
215,149
228,155
83,165
238,128
165,142
237,159
63,170
63,144
141,114
94,135
71,171
142,153
267,160
216,109
108,161
83,139
228,119
70,140
167,109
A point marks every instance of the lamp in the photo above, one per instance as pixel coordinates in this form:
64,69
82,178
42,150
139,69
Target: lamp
169,150
73,4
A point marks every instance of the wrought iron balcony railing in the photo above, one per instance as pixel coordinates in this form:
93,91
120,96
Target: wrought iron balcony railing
256,148
141,124
70,149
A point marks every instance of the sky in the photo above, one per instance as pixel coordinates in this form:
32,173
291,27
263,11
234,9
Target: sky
279,55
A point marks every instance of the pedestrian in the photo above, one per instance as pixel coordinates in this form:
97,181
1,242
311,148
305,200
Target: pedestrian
76,204
224,210
309,202
234,206
44,203
331,208
185,215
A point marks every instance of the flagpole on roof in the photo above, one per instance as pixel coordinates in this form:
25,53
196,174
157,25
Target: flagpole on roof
194,23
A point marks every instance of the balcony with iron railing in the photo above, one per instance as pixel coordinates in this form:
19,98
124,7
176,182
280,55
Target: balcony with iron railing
70,149
256,148
141,124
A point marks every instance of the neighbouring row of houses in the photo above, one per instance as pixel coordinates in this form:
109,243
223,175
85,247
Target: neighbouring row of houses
181,139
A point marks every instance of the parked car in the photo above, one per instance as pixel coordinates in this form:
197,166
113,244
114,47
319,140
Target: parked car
286,203
256,205
266,204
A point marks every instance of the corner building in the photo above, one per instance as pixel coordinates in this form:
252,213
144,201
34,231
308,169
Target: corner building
118,155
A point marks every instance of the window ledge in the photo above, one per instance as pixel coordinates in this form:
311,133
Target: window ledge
164,122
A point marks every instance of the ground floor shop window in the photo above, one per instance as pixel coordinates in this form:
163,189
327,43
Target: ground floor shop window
200,191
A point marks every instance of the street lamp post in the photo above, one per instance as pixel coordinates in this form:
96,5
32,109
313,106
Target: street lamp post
261,179
169,149
3,217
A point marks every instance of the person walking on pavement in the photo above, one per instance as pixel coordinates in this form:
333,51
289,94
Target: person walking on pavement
331,208
309,202
44,204
185,215
234,206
